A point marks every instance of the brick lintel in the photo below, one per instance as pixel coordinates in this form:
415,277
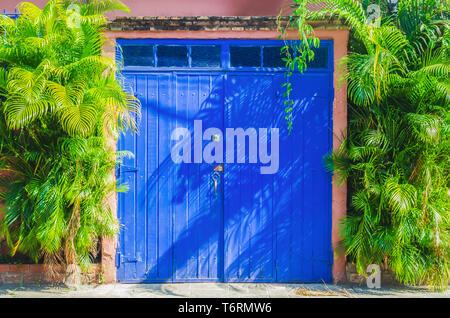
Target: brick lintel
213,23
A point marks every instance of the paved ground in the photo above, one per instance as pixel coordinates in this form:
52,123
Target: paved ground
212,290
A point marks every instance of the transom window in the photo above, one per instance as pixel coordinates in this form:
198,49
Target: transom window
221,55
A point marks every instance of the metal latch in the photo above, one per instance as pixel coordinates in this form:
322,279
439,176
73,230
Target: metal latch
120,259
219,168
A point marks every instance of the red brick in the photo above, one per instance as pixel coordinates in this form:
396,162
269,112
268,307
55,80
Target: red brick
57,278
12,278
60,269
4,268
32,278
19,268
37,268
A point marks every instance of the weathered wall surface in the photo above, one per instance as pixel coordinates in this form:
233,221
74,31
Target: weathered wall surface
187,7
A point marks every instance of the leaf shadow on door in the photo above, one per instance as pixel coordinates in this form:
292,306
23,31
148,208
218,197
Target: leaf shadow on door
273,226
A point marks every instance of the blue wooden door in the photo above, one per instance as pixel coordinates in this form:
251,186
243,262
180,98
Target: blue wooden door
171,216
278,226
177,223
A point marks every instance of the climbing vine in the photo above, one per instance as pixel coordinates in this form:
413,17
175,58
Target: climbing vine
298,53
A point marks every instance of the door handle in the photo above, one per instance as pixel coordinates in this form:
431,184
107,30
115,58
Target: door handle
215,177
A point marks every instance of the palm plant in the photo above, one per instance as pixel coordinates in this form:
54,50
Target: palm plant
395,153
60,104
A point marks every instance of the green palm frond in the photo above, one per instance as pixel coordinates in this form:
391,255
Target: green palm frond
350,10
7,24
412,14
427,128
31,12
95,64
96,7
401,197
58,92
76,110
395,157
27,99
78,119
3,81
438,70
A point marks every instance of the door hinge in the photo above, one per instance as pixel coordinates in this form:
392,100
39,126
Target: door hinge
129,259
118,260
124,169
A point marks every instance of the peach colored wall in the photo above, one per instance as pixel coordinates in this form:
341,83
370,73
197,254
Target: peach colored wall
109,244
186,7
340,40
339,193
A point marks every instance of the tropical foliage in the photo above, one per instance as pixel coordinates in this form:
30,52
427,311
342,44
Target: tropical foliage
395,155
60,106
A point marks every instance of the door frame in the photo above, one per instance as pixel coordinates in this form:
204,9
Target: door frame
339,36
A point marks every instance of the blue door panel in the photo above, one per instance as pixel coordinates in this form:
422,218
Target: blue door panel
278,222
250,101
197,210
127,237
254,227
150,121
166,170
171,217
140,153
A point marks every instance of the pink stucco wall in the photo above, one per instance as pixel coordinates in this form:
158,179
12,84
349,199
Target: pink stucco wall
187,7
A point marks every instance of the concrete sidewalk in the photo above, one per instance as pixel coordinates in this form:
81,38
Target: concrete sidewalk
210,290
